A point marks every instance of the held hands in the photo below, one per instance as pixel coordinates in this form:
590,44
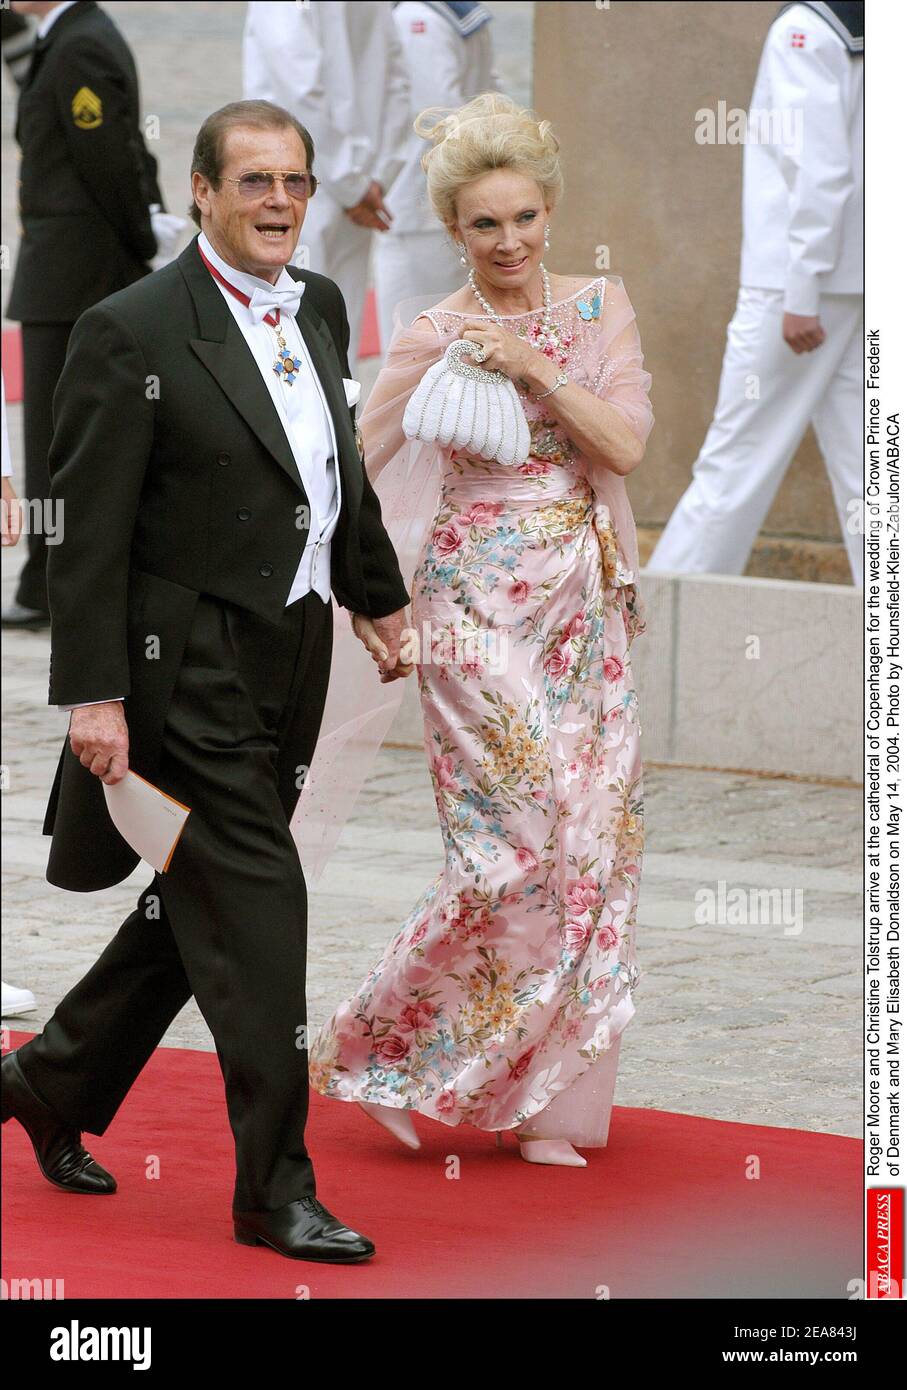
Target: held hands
802,332
381,638
99,737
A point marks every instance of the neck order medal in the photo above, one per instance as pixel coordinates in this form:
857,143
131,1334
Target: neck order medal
286,365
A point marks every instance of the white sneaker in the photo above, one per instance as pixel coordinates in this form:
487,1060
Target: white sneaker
16,1001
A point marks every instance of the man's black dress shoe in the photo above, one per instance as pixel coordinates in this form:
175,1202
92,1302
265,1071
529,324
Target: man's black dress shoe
302,1230
32,619
61,1157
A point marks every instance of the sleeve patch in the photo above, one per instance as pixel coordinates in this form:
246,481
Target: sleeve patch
87,109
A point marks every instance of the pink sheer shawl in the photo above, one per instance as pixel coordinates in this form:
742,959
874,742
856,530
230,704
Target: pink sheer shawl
406,475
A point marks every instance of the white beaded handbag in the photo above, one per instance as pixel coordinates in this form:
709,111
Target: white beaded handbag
478,411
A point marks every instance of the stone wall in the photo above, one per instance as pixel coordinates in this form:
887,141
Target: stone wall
623,85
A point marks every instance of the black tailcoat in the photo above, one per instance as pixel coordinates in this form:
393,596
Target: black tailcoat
176,478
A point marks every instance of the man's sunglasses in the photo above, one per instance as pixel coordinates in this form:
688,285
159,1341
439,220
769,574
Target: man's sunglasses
261,182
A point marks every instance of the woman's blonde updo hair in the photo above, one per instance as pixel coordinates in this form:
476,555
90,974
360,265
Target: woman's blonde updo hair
489,132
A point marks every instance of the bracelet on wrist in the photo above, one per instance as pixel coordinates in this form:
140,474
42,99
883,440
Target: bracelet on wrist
561,380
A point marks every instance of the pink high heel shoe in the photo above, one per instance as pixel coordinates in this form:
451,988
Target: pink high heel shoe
397,1122
554,1151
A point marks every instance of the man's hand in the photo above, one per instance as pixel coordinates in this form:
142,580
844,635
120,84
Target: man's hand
12,514
99,737
381,639
802,332
371,211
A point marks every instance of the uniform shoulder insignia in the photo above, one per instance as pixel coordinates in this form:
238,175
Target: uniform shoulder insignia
87,109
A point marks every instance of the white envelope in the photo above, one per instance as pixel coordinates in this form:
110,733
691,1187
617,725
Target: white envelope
148,819
353,390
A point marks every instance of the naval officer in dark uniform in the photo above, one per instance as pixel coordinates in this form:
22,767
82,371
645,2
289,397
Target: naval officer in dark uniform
86,183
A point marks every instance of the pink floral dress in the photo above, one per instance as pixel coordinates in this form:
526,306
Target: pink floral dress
512,976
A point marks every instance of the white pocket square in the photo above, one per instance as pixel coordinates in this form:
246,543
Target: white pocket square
353,390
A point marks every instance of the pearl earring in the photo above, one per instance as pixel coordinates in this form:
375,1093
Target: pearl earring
547,236
461,247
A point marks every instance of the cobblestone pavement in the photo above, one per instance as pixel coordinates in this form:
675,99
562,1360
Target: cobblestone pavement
750,1022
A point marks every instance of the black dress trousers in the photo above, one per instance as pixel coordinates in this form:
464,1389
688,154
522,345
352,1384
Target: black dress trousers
227,922
43,355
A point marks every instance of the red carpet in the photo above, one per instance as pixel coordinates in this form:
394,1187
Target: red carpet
12,364
369,346
666,1210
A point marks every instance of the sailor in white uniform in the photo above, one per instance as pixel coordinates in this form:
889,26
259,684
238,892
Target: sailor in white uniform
339,68
450,59
794,345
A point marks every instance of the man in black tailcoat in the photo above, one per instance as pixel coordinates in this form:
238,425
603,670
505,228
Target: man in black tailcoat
213,495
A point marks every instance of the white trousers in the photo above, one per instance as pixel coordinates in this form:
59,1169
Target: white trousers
339,249
766,398
413,263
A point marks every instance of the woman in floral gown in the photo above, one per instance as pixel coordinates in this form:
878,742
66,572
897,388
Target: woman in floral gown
501,1000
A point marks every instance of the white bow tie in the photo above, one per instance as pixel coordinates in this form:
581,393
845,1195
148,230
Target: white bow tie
265,301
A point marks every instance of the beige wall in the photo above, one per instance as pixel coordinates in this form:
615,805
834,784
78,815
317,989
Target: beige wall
622,86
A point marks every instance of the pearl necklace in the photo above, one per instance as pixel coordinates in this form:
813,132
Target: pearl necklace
547,332
546,297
